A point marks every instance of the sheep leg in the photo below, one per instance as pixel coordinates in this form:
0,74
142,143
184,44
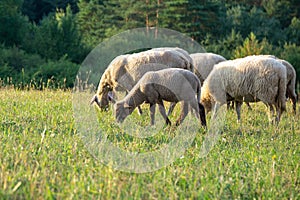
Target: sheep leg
278,115
184,112
140,110
294,101
238,106
294,105
216,108
271,114
152,113
248,104
171,108
202,114
290,93
230,105
162,111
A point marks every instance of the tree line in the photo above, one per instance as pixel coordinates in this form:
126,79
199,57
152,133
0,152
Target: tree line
43,42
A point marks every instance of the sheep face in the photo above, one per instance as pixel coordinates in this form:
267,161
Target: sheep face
207,101
103,103
122,110
104,98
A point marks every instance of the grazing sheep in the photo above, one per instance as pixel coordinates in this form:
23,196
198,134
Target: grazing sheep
171,85
246,79
204,63
124,71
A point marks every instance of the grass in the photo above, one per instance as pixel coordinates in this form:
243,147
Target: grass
43,157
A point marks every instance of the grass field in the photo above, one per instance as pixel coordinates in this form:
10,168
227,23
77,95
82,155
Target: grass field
43,157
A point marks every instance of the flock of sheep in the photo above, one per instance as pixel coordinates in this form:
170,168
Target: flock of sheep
201,81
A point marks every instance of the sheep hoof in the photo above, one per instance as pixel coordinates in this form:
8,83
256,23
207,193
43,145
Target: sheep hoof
168,122
178,123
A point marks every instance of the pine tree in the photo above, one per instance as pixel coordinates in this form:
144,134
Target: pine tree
251,46
90,20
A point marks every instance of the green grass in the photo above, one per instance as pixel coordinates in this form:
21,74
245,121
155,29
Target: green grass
43,157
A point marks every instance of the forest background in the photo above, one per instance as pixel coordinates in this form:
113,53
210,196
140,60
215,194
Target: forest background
43,42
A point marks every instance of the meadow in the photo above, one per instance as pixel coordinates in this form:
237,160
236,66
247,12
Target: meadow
43,157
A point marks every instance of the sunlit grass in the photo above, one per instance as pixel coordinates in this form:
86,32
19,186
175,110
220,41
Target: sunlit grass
43,157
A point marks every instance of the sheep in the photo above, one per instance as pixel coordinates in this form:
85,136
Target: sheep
123,72
171,85
290,80
249,79
204,63
181,52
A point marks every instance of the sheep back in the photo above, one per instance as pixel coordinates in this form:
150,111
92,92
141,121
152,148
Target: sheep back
173,85
204,63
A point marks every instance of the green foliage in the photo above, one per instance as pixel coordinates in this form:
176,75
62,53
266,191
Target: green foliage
23,68
90,20
13,23
293,31
37,9
291,53
59,74
250,47
224,47
14,62
58,36
245,20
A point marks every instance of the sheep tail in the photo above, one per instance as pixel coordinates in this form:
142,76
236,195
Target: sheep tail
281,102
291,92
198,90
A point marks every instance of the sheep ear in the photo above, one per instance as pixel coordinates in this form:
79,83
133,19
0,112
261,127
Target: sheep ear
94,99
111,98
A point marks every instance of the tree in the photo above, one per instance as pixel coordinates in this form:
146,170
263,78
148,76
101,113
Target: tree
293,31
58,36
13,23
252,46
37,9
224,46
91,22
291,53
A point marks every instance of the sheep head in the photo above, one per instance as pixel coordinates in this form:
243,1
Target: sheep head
102,98
122,110
207,101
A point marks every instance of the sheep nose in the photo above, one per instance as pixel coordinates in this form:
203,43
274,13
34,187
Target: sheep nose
119,120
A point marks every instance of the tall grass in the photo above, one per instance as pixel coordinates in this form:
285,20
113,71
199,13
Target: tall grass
43,157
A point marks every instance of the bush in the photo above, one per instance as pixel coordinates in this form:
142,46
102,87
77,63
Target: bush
291,53
56,74
21,69
15,63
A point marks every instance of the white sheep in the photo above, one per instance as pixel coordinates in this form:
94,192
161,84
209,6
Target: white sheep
125,70
172,85
290,81
204,63
246,79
